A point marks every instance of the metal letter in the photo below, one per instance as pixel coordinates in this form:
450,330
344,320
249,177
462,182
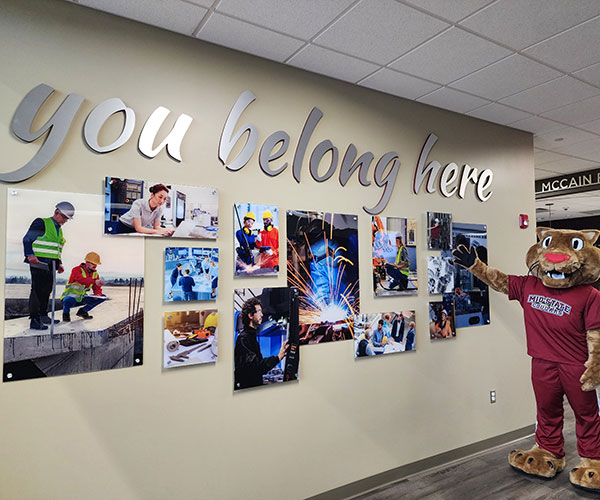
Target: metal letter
317,155
349,166
172,141
97,118
309,127
57,127
227,142
485,181
388,181
264,157
468,174
421,172
449,175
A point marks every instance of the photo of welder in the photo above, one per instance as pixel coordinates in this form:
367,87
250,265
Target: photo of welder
142,208
384,333
74,299
191,274
439,231
256,239
440,273
471,295
266,336
442,323
394,259
322,262
190,338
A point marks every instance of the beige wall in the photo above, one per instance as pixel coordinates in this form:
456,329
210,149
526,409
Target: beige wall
147,433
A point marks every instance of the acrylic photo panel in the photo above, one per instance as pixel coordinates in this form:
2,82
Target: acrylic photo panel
442,323
106,314
265,336
190,338
322,262
143,208
394,261
256,239
471,295
384,333
439,231
440,273
191,274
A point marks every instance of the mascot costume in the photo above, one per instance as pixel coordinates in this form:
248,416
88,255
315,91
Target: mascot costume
562,323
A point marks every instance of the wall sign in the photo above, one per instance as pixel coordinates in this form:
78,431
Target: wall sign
274,147
568,184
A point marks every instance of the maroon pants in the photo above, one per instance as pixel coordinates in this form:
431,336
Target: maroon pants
551,381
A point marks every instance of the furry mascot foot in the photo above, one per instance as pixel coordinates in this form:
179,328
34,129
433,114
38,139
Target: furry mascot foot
586,475
537,462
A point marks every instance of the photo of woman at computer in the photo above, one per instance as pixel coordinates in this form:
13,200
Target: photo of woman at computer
143,208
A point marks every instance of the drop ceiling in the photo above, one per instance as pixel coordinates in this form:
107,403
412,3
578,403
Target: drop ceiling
529,64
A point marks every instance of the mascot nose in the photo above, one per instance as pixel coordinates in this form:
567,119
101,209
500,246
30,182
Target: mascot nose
555,258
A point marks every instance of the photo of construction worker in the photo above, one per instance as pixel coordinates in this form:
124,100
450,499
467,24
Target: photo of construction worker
440,273
442,323
394,256
384,333
83,278
439,231
266,336
191,274
256,239
471,295
190,338
48,328
322,262
143,208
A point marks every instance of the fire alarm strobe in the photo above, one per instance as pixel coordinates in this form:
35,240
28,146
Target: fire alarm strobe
523,221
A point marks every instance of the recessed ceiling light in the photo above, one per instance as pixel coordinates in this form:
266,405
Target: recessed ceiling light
558,139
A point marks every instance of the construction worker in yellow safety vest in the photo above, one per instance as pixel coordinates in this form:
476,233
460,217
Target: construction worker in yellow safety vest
399,271
84,277
42,245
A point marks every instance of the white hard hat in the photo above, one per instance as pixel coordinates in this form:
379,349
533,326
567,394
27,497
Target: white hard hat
66,208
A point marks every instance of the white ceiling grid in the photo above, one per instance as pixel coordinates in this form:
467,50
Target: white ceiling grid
528,64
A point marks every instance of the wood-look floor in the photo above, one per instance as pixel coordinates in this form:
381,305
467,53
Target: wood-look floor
488,476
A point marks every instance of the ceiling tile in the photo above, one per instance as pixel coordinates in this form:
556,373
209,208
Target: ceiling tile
449,56
203,3
498,113
560,138
521,23
392,82
551,95
330,63
172,15
542,157
379,30
590,74
506,77
245,37
593,126
299,18
536,125
565,52
453,100
454,10
589,150
579,112
544,174
570,165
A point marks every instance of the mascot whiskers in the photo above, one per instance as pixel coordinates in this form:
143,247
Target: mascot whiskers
562,323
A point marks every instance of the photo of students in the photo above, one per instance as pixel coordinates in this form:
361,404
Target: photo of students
142,208
191,274
384,333
439,231
442,324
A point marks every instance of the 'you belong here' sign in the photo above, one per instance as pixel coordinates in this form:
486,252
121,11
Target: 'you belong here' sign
451,180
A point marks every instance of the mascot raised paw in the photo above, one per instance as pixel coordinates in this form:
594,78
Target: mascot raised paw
562,323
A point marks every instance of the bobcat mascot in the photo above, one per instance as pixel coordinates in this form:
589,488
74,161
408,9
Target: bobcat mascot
562,323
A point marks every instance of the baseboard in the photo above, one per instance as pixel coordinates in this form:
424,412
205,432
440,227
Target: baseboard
399,473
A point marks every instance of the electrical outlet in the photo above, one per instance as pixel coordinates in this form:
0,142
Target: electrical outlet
492,397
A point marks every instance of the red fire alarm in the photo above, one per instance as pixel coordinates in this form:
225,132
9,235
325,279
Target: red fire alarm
523,221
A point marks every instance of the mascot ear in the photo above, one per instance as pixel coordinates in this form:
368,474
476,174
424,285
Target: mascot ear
541,231
591,234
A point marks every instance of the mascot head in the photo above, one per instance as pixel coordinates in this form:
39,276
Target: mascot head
564,258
